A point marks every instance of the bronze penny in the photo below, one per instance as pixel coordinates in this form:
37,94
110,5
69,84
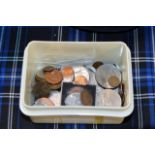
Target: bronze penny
41,89
113,81
39,77
97,64
86,98
48,69
54,77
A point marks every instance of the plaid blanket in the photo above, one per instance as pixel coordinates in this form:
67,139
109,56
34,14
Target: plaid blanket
13,41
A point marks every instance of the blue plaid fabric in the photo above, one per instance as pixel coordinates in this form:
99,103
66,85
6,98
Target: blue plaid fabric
13,41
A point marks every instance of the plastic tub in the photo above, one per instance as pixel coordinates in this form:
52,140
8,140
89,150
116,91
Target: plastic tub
41,53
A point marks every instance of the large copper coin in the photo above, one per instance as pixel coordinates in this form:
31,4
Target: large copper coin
41,89
54,77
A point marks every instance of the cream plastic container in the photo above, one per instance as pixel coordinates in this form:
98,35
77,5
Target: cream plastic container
38,54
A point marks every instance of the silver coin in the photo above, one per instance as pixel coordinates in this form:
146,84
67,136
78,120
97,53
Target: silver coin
55,97
105,72
81,71
73,100
110,98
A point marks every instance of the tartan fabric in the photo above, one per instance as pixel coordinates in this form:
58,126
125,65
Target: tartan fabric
13,41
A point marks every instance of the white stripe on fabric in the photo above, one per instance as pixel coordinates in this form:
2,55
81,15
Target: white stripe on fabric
145,58
12,86
144,77
5,76
11,57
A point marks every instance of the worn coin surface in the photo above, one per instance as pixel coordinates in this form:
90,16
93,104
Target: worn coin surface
110,98
73,99
54,77
41,89
113,81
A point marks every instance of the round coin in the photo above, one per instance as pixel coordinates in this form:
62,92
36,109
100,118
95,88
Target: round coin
110,98
54,77
113,81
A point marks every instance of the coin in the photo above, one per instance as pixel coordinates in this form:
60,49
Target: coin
44,101
68,73
48,69
113,81
39,76
81,80
55,97
41,89
97,64
86,98
107,72
81,71
73,99
110,98
54,77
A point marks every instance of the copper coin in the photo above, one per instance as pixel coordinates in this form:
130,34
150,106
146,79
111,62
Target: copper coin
97,64
39,77
44,101
67,71
81,80
41,89
54,77
48,69
113,81
86,98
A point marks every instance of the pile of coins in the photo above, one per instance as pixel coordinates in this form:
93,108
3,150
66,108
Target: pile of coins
98,84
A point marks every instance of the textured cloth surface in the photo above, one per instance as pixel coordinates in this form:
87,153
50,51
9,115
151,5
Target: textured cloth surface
13,40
